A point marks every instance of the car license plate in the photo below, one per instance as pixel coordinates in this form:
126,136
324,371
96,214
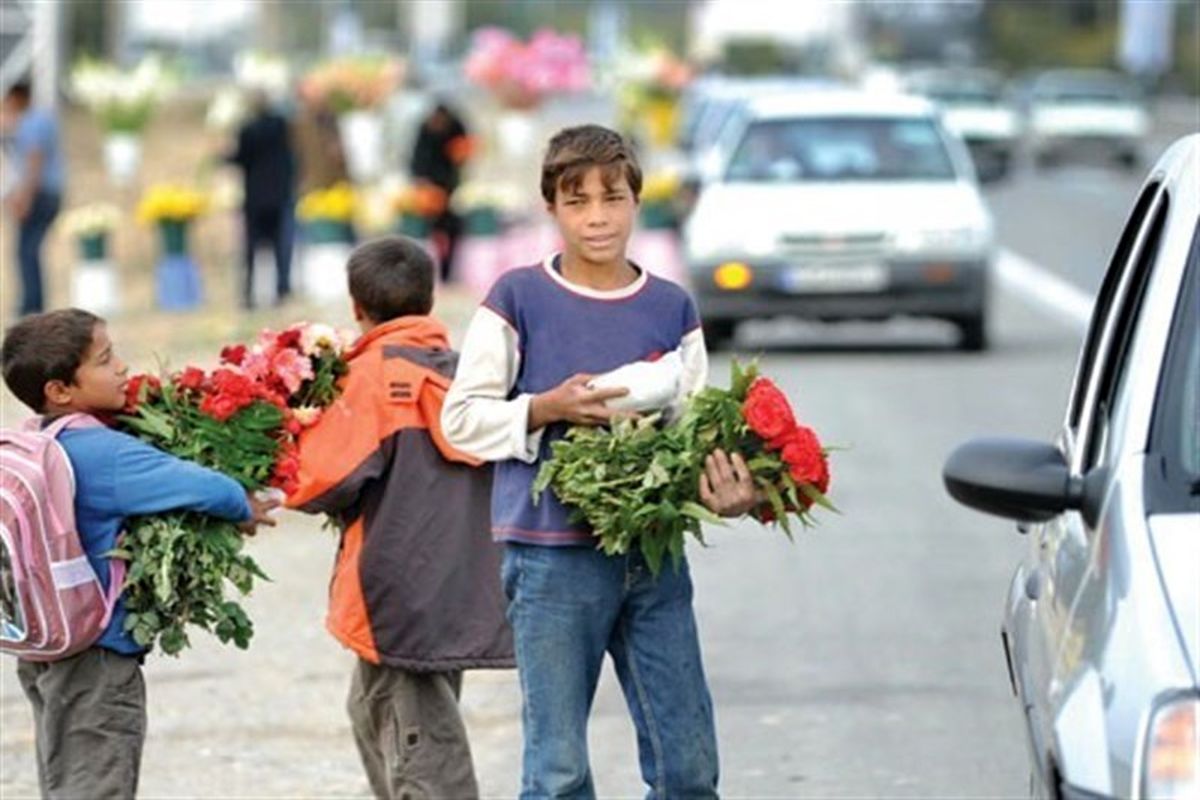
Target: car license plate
835,278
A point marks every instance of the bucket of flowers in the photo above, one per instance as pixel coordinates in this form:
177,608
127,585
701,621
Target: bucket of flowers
356,89
123,102
94,279
328,219
171,209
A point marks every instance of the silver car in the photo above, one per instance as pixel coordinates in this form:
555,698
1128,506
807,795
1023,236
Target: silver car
1102,625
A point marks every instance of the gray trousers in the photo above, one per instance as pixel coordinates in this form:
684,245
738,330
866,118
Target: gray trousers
410,733
89,714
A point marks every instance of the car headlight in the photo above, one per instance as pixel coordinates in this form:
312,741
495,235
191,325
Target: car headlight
940,240
1173,752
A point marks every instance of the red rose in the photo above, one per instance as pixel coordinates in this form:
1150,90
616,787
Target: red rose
233,354
802,453
191,379
134,393
289,338
768,412
806,461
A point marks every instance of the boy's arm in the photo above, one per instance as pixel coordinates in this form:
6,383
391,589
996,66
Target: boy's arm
149,481
478,418
340,453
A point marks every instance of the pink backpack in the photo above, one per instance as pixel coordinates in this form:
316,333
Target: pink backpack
51,603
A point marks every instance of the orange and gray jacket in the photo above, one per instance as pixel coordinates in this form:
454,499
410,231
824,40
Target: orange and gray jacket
416,584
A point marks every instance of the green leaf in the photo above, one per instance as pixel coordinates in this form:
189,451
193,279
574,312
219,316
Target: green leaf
699,512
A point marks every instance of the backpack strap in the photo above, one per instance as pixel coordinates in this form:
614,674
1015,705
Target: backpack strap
77,420
67,422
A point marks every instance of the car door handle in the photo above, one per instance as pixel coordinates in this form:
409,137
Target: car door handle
1033,585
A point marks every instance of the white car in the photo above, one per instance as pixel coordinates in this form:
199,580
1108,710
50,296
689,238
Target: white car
841,205
974,106
1070,111
1101,628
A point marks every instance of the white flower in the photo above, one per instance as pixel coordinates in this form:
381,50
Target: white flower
91,220
226,110
306,415
316,337
347,339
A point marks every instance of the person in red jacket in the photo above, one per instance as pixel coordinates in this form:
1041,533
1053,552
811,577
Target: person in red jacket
416,591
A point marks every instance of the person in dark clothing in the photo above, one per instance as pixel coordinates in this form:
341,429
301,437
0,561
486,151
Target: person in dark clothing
264,153
442,147
33,198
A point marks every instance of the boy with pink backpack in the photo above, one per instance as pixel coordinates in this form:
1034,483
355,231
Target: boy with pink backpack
67,483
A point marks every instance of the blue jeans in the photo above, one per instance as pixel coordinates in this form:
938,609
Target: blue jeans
570,605
30,235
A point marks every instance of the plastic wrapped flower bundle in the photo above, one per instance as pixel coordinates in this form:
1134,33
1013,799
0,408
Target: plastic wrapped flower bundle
241,419
636,483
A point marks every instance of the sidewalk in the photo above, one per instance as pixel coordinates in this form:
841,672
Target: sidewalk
270,721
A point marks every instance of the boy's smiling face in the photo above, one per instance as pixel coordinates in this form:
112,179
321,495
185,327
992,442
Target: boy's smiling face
595,219
99,383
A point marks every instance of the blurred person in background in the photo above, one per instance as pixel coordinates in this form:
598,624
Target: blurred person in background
264,154
321,161
442,147
35,194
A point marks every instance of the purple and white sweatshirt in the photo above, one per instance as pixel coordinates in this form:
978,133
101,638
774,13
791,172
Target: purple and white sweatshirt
535,330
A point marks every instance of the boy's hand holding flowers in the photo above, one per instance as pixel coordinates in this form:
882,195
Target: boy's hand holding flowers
574,402
726,485
261,509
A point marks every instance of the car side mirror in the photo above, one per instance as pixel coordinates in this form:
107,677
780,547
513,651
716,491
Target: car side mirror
1019,479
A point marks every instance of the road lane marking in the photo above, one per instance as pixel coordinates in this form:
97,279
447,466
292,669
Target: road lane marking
1042,287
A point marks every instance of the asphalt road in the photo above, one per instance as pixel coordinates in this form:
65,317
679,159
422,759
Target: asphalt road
861,661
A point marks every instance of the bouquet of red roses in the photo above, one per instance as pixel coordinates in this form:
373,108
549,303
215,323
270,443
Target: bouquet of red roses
636,483
242,419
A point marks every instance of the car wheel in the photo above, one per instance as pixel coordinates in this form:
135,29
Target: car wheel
1045,160
717,332
972,333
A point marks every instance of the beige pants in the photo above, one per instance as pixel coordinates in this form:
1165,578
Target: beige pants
89,715
410,733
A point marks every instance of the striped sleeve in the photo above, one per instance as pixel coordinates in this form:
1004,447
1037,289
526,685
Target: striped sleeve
479,418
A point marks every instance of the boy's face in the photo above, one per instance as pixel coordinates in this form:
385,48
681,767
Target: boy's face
595,220
99,383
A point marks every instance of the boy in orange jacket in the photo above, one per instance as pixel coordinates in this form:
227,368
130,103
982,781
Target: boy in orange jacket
415,591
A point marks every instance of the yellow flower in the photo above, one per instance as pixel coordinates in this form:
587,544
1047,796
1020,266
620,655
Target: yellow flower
660,187
336,204
165,202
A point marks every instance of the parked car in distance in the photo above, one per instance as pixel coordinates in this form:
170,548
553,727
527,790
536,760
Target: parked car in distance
1074,113
975,106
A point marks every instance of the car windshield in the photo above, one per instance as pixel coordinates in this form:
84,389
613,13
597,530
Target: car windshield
965,95
1084,91
841,149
